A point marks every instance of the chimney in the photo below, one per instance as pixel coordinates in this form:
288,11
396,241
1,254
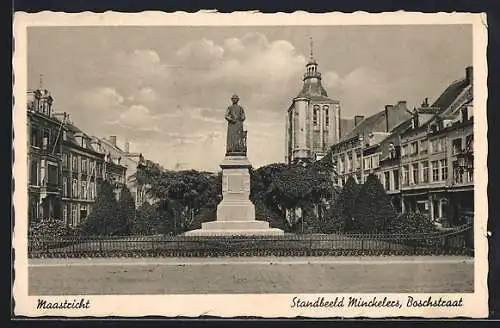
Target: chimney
112,139
358,119
127,147
387,109
469,75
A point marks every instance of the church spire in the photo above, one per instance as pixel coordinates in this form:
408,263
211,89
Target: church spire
40,82
311,48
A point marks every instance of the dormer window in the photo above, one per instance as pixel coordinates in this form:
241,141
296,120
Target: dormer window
392,151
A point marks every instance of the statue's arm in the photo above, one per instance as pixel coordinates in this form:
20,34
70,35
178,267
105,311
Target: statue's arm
243,117
228,116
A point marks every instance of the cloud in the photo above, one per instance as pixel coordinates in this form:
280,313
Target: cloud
138,117
362,91
143,95
176,103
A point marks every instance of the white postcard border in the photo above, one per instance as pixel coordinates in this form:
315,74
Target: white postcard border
260,305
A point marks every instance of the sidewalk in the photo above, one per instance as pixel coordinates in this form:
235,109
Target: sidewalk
439,274
372,260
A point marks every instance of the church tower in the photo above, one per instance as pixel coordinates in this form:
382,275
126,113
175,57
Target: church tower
312,120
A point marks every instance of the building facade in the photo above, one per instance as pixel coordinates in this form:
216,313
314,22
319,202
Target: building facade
312,120
437,158
65,164
359,152
128,159
44,157
425,161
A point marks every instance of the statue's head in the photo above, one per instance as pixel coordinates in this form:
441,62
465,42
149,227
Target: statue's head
235,99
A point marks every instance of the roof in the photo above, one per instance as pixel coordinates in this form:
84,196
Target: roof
366,125
73,131
450,94
312,89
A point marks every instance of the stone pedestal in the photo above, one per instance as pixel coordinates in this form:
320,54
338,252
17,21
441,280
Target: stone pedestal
235,213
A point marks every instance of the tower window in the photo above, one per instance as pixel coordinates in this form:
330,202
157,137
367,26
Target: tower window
315,115
327,115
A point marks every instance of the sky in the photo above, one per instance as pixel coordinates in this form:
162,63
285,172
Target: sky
165,89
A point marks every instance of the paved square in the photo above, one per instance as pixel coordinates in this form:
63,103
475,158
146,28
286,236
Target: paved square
251,275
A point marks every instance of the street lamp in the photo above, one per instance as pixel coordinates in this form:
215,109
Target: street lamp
362,159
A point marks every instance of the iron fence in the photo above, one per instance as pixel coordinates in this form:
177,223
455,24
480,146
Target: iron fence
458,241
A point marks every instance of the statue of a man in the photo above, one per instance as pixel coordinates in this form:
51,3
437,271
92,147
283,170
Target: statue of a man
236,137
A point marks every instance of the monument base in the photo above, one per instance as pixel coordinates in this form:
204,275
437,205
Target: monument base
235,213
235,228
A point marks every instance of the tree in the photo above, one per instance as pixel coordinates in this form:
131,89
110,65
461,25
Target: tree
126,211
340,216
102,218
285,187
373,209
183,194
146,221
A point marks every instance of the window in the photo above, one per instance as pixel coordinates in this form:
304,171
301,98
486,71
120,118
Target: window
341,164
423,146
74,215
469,142
387,181
395,174
65,213
435,171
65,187
367,163
414,148
83,194
425,172
406,175
74,189
34,173
457,174
442,144
64,160
415,173
84,165
35,137
404,151
392,150
349,162
470,175
315,115
434,146
456,146
92,190
375,161
327,115
74,162
46,139
53,174
358,161
444,169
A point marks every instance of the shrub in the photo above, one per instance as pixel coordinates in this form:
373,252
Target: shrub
373,210
48,229
339,217
411,223
126,213
102,219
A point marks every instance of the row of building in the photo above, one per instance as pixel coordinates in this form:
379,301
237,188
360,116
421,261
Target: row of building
423,157
66,164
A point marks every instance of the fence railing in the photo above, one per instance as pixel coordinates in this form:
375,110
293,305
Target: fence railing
458,241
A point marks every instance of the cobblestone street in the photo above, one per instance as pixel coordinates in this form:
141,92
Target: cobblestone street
437,274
